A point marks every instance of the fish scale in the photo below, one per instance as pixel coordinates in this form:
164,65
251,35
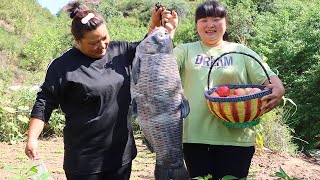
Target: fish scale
165,112
158,96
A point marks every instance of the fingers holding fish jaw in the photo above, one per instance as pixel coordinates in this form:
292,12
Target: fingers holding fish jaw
162,17
170,22
156,16
166,13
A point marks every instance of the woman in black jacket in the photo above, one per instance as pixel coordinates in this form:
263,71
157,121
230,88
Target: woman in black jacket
91,84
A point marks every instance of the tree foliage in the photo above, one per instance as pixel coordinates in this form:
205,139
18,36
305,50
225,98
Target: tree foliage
289,36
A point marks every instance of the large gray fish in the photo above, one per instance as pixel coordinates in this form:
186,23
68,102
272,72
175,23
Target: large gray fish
159,103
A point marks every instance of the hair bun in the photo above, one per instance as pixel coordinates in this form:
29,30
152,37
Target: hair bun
74,7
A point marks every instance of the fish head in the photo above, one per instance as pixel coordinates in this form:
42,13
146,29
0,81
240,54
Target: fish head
159,41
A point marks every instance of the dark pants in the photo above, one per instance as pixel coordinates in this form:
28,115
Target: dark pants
122,173
218,161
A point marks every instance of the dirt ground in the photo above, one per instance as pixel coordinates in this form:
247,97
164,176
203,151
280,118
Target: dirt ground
263,167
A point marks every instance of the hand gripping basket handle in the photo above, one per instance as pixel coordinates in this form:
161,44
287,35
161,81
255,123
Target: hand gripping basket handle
236,52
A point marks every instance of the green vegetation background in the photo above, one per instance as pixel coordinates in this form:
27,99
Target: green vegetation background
287,32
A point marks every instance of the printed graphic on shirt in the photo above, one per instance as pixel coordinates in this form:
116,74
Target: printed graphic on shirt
206,62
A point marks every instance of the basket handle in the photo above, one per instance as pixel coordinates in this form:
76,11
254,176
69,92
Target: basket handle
237,52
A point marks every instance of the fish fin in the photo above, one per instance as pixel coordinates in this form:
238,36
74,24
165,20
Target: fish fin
148,144
136,70
163,173
185,108
134,108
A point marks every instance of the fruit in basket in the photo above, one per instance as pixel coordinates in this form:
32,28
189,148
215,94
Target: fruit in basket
214,94
237,111
248,90
223,91
240,92
233,95
254,90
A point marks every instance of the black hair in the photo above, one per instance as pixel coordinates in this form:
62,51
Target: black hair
77,12
211,9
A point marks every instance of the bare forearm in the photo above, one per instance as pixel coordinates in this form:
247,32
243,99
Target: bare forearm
35,128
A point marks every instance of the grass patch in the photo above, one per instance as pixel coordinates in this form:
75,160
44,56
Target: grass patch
144,161
58,171
253,171
137,168
22,157
146,155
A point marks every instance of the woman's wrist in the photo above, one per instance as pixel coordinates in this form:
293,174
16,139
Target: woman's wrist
152,26
150,30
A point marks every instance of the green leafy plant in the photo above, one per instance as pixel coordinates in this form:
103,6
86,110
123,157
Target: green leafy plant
231,178
284,175
15,109
54,128
12,125
273,131
207,177
14,114
295,53
24,172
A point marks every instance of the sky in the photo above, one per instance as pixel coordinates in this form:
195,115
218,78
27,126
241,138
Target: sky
53,5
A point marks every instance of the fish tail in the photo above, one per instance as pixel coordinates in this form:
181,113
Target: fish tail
178,173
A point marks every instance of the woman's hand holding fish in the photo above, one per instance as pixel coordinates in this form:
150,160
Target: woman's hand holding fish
170,21
156,17
166,18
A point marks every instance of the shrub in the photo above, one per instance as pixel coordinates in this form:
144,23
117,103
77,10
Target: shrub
44,47
15,112
14,115
294,51
54,128
273,131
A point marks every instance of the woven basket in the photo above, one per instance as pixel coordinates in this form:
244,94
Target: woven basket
240,111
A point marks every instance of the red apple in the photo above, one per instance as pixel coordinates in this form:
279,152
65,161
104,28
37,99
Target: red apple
223,91
240,92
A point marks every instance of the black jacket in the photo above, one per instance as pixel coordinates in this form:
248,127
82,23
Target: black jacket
95,96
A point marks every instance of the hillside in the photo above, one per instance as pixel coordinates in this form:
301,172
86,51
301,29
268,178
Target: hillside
20,21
